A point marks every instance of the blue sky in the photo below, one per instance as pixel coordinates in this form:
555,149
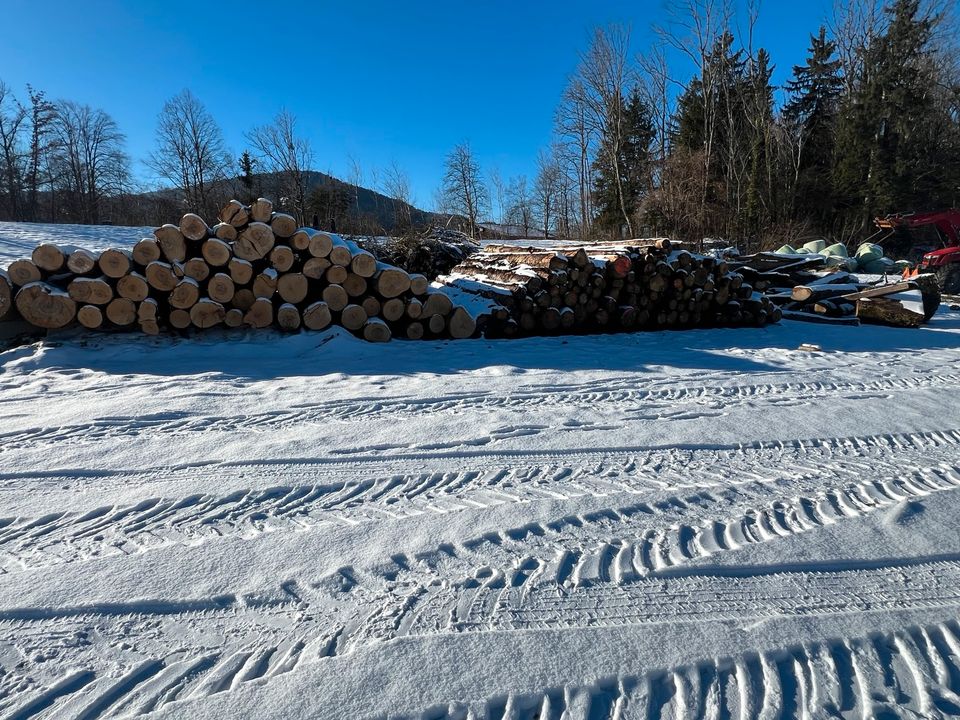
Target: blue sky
375,81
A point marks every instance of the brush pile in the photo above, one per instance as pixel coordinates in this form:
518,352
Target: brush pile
607,288
255,268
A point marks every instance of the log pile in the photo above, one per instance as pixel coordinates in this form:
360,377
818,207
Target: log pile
605,288
254,268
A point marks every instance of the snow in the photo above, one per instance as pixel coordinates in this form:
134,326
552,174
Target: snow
17,240
713,523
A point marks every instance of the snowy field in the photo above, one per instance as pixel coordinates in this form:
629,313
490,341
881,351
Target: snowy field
710,524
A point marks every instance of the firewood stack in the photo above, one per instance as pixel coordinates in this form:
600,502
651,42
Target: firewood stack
255,268
605,288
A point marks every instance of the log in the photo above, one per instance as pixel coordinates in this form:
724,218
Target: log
207,313
390,281
243,298
193,227
225,231
149,327
813,293
160,276
133,287
233,318
81,262
340,252
90,291
90,316
372,306
216,252
437,303
532,257
179,319
376,330
354,285
393,309
234,213
6,294
146,251
147,310
414,331
241,271
23,272
315,268
336,274
335,297
362,262
197,269
317,316
888,311
288,317
265,284
282,258
185,295
320,244
284,226
220,288
115,263
300,240
172,243
261,210
353,317
881,291
122,312
254,242
293,287
419,284
815,318
414,308
463,325
45,306
260,314
437,324
49,257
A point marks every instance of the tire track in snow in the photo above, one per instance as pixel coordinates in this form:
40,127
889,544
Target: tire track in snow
780,490
911,673
621,395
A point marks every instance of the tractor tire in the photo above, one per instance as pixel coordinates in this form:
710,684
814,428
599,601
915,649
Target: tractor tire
948,277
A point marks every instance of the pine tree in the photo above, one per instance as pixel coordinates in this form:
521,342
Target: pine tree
246,176
811,116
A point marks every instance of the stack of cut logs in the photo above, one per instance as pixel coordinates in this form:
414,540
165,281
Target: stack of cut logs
598,288
255,268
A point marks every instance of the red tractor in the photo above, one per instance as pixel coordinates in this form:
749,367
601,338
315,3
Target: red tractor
939,252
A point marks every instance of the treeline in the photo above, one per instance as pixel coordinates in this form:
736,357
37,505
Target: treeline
869,124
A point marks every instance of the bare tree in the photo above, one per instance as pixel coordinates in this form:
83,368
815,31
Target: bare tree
396,186
190,151
499,193
463,185
91,156
43,113
520,204
289,155
577,137
12,117
546,190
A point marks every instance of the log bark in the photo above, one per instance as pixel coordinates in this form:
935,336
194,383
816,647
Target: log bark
317,316
90,291
887,311
160,276
193,227
6,294
235,213
260,314
121,312
881,291
115,263
335,297
185,295
293,287
284,226
146,251
288,317
90,316
172,243
23,272
241,271
216,252
197,269
133,287
254,242
207,313
813,293
220,288
353,317
376,330
45,306
81,262
282,258
261,210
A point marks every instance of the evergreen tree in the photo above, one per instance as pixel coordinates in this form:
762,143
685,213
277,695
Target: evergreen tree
811,117
246,176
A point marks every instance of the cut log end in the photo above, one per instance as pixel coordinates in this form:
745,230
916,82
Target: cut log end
45,306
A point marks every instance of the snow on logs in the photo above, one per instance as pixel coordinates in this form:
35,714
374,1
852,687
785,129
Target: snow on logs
603,288
254,268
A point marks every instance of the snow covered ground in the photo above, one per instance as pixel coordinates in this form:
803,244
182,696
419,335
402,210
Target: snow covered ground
17,240
709,524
